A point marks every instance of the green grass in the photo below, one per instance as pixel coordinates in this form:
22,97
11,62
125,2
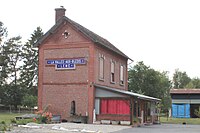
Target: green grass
180,120
6,117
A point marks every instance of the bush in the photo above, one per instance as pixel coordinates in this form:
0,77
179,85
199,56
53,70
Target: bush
29,100
24,121
44,116
197,112
13,121
4,127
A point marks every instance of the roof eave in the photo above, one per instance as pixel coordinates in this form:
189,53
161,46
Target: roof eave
49,32
64,18
139,96
113,51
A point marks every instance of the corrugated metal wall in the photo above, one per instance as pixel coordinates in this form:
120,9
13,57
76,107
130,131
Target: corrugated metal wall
181,110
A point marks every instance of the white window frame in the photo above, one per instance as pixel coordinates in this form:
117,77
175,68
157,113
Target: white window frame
112,71
121,77
101,67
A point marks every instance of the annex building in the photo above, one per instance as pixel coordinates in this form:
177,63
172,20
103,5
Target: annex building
83,74
185,102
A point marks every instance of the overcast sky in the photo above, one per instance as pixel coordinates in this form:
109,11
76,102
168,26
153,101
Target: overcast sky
165,34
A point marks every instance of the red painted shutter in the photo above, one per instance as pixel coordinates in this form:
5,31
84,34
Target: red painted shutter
103,106
113,106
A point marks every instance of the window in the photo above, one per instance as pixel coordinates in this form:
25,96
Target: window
73,108
112,76
121,74
101,67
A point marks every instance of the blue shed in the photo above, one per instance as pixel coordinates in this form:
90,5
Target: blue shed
181,110
185,102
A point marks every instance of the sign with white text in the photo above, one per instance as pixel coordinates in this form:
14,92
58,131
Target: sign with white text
66,61
65,66
62,64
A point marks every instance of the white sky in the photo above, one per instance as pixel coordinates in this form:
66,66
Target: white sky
165,34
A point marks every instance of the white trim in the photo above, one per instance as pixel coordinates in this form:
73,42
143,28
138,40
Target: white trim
189,101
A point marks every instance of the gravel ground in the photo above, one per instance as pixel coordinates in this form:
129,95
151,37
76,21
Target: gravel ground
68,128
94,128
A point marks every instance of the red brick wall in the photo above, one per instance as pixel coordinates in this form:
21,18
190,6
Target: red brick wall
109,55
57,37
59,97
79,75
58,88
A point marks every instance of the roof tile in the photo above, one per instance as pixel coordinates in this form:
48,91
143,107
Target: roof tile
91,35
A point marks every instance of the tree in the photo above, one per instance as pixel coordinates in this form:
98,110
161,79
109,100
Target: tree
11,95
29,73
3,66
11,53
194,83
29,101
180,79
3,31
153,83
19,68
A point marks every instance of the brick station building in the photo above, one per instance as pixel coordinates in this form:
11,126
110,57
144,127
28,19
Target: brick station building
83,74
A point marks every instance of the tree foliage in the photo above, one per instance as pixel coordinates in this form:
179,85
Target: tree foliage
11,95
180,79
145,80
194,83
18,73
29,101
197,112
3,31
29,72
11,53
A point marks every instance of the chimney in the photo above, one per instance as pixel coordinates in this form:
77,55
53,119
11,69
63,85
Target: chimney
60,12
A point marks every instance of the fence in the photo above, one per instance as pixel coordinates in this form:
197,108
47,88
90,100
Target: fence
10,109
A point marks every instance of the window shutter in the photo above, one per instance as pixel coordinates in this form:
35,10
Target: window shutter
112,67
101,73
122,73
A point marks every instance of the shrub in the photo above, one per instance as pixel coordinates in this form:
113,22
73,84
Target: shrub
44,115
13,121
197,112
4,127
24,121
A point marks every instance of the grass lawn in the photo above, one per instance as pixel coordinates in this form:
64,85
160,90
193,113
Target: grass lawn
6,117
180,120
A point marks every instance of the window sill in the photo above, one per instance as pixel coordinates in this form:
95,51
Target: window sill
121,84
112,82
101,79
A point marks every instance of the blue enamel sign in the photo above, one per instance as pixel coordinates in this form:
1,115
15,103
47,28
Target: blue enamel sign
65,66
66,63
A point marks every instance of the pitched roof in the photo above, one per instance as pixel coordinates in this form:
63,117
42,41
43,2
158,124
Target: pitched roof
124,92
184,91
89,34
